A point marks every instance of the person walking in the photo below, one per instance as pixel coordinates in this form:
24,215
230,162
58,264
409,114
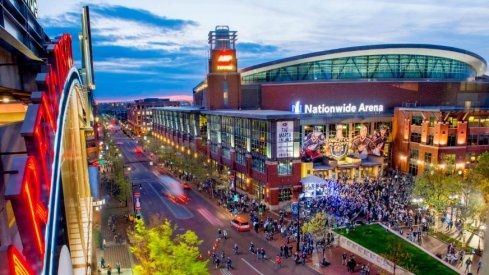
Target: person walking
278,261
118,267
225,234
109,270
343,258
468,263
102,262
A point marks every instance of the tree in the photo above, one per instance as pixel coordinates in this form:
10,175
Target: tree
482,172
396,253
435,187
161,251
316,227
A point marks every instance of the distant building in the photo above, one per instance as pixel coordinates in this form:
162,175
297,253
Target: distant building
343,113
139,113
118,110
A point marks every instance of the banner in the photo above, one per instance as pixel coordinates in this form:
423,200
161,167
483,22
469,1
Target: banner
285,139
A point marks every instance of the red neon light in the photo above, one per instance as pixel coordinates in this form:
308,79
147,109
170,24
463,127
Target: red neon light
34,221
42,212
17,264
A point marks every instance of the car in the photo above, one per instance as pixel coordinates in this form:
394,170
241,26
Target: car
177,198
185,185
240,224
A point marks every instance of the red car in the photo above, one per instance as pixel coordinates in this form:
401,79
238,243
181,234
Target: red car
185,185
181,198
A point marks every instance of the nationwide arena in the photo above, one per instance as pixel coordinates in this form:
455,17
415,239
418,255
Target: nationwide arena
350,113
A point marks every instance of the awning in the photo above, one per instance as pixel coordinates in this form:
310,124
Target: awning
312,179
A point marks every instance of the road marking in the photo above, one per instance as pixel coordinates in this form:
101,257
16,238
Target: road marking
209,217
224,271
257,271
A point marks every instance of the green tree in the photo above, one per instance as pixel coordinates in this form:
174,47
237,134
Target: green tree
435,187
316,227
161,251
396,253
482,173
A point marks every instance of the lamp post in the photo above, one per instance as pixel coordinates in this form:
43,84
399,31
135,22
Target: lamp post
299,198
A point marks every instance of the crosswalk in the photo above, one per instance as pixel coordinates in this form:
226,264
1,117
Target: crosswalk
224,271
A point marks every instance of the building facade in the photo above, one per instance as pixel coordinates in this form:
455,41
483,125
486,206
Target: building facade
334,113
46,139
140,114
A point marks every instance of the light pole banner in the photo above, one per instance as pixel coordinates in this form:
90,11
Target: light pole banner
285,139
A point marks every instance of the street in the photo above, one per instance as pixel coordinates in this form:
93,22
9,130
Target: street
202,216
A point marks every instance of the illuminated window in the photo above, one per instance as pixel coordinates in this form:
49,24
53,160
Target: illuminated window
284,167
284,194
417,120
258,164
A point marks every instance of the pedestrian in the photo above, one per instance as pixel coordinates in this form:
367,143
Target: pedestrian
229,263
219,232
109,270
468,263
225,233
102,262
343,258
217,262
118,267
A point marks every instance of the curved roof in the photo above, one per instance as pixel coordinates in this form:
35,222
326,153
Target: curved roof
474,60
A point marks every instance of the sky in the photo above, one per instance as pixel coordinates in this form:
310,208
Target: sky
158,48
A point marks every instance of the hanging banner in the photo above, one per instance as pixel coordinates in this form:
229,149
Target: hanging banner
285,139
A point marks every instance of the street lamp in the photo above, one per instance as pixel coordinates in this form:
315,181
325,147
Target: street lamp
299,198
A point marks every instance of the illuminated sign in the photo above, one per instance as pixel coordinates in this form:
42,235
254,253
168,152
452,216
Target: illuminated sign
336,109
17,263
29,190
225,61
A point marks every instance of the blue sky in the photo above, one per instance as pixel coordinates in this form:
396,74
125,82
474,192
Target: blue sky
158,48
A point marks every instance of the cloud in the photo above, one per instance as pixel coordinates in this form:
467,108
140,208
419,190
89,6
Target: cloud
141,46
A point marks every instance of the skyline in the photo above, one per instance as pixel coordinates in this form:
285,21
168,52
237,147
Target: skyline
163,52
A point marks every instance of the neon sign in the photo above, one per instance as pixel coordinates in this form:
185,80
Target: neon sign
17,263
29,190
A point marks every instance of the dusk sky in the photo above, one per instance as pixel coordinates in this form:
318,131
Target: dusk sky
158,48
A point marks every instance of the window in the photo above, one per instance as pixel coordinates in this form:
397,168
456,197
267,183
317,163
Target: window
284,167
226,153
452,122
227,131
414,154
415,137
214,148
471,157
240,158
472,139
417,120
413,168
473,121
260,137
284,194
427,158
430,140
432,121
258,164
484,139
452,140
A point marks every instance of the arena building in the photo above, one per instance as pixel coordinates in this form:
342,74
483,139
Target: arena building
337,113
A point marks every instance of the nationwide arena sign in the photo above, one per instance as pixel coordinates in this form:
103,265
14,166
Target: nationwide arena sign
298,108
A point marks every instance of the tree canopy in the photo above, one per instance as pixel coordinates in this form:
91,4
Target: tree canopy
161,251
316,226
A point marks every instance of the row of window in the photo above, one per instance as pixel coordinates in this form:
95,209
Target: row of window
472,139
418,121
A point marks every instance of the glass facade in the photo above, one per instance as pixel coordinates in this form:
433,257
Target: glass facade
390,66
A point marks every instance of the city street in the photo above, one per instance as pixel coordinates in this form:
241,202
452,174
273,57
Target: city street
201,216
